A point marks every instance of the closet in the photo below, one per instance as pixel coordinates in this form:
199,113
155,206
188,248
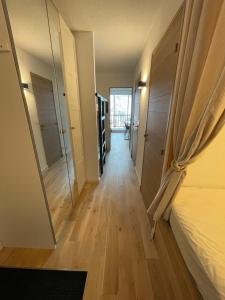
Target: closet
39,43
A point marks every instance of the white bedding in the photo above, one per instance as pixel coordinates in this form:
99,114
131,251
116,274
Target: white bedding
198,223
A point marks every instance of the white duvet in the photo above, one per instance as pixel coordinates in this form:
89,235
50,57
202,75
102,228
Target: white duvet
198,223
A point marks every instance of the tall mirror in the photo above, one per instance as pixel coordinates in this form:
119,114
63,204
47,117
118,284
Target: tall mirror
35,29
54,26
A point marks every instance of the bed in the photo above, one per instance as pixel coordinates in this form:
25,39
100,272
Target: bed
198,223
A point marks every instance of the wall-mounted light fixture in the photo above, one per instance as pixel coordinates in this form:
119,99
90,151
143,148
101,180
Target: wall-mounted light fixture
141,84
25,85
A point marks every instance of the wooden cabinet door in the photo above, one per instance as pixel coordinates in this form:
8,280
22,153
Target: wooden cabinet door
162,79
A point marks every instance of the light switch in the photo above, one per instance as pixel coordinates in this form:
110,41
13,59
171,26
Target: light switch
4,46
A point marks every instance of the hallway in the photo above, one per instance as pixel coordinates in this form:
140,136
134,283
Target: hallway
107,234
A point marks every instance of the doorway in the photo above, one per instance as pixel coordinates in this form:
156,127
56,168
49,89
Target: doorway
44,97
162,79
120,110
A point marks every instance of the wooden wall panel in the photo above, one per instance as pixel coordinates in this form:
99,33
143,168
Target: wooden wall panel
162,78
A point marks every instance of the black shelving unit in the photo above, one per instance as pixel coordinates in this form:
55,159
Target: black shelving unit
102,110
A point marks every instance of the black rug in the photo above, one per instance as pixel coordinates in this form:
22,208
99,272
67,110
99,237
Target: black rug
40,284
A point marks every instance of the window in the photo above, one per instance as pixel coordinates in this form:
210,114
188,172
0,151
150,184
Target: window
120,107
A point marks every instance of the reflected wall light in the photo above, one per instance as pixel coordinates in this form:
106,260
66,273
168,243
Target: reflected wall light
141,84
25,85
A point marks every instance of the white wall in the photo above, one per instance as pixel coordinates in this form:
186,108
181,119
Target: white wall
87,86
29,63
160,23
24,217
106,80
209,168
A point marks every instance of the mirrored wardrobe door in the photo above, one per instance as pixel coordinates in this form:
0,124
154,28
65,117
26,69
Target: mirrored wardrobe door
54,25
31,34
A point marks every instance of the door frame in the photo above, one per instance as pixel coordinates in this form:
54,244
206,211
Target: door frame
119,87
169,143
170,122
134,90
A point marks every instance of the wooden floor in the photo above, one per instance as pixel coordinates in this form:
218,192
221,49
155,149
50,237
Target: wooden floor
107,234
58,192
60,186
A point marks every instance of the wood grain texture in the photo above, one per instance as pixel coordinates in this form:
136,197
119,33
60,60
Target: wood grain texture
107,234
59,196
162,78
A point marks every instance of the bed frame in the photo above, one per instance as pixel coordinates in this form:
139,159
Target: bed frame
175,279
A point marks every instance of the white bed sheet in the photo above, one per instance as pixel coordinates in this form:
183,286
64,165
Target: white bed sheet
198,223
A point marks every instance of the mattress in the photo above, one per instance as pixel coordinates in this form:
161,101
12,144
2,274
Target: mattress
198,222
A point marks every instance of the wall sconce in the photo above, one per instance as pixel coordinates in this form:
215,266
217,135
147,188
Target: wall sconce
25,85
141,84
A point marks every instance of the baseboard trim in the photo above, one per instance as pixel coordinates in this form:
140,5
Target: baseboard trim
1,246
138,178
44,171
93,181
118,130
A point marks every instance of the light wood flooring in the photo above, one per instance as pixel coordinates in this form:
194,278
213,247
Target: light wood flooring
107,234
58,192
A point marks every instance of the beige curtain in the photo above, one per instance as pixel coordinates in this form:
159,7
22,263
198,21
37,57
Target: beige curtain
199,95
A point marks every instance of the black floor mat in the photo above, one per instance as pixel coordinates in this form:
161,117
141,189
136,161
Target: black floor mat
41,284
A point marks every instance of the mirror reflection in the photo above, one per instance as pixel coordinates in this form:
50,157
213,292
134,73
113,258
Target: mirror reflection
36,34
54,26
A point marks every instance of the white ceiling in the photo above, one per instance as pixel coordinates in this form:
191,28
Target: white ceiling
29,23
121,28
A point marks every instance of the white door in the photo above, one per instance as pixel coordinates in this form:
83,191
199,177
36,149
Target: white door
72,93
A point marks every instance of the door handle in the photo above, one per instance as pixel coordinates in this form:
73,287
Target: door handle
146,135
162,152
